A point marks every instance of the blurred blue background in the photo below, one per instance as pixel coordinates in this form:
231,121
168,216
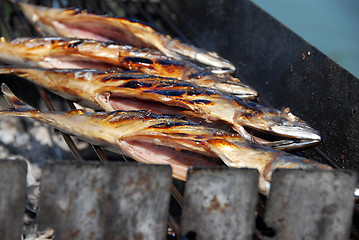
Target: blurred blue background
330,25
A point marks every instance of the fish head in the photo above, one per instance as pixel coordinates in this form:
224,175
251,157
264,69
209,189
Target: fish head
290,126
285,130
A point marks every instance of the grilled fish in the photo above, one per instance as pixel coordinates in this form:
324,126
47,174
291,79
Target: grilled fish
76,23
131,90
164,139
81,53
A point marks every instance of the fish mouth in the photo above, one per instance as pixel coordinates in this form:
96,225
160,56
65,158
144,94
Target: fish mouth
295,137
282,137
297,131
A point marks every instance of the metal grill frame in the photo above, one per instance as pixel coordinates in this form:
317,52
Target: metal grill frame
169,18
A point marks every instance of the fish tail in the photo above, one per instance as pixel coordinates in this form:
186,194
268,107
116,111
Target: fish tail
19,108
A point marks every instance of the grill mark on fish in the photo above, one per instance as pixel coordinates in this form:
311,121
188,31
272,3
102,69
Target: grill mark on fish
139,60
176,93
135,84
249,105
169,63
181,134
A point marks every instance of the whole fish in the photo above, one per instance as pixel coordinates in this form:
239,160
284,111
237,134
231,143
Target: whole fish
76,23
83,53
164,139
131,90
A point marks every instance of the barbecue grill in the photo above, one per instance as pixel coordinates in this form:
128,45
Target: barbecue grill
286,70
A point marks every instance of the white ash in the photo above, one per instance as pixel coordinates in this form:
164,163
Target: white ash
34,143
47,234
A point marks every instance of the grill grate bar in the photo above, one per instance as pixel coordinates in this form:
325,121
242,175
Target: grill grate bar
325,156
177,195
98,150
70,143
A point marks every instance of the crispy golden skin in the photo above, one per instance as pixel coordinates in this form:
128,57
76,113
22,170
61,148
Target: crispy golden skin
82,53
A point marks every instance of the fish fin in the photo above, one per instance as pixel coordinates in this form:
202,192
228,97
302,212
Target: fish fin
17,104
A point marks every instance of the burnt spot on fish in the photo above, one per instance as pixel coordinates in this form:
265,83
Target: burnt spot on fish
170,93
135,84
181,134
199,137
248,104
164,62
138,60
183,83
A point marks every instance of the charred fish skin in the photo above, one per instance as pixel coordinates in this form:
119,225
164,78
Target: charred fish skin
132,131
130,90
76,23
55,52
